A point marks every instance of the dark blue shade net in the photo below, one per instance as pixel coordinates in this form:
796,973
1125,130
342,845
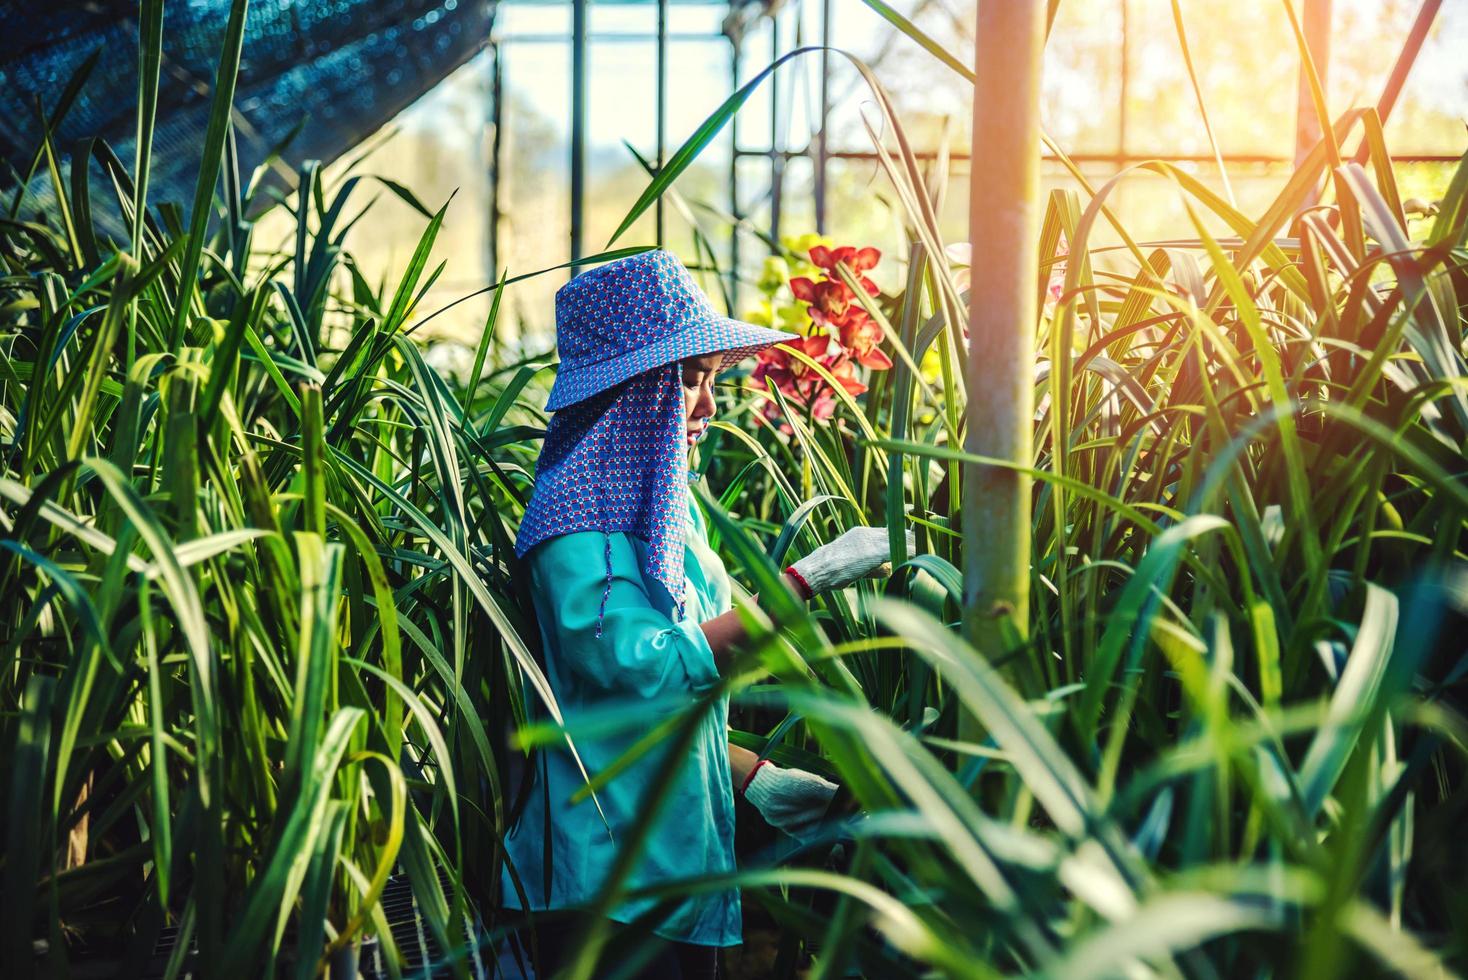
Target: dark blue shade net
345,66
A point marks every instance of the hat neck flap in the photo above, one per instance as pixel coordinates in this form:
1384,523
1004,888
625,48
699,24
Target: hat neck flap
617,462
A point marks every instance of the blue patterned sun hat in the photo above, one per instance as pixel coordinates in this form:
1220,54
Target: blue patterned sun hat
636,313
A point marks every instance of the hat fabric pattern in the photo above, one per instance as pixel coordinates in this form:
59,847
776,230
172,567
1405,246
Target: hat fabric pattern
614,456
637,313
615,462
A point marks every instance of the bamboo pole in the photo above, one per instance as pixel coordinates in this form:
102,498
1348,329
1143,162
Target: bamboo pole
1004,232
1308,125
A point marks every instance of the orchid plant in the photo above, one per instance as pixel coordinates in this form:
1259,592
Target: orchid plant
837,333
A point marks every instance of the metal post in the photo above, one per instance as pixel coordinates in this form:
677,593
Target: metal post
735,40
822,148
578,122
1126,54
497,107
777,160
1004,191
662,102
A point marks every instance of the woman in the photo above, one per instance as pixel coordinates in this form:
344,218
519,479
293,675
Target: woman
635,613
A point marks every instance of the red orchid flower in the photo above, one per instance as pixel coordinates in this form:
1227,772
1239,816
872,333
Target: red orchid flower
861,337
829,298
857,260
855,340
824,406
844,371
789,372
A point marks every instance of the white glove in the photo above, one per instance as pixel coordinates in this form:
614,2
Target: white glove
858,553
792,800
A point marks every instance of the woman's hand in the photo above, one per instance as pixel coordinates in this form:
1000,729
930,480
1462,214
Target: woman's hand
792,800
726,632
858,553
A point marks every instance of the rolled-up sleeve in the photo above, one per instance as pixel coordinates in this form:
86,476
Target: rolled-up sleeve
640,650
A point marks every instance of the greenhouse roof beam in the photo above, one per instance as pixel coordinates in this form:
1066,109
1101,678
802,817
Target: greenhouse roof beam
617,3
1108,158
619,37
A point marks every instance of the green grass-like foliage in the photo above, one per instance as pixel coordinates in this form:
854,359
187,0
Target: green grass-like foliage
256,614
262,634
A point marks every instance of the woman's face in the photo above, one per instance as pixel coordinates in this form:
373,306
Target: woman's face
698,393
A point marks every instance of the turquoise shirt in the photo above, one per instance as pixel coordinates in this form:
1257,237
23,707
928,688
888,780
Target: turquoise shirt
643,661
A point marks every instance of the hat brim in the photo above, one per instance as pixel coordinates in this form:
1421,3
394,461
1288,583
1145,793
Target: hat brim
719,333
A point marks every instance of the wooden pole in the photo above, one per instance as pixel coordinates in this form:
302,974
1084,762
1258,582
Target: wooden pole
1317,35
1309,126
1004,231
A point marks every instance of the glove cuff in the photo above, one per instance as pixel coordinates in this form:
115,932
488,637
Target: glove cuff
806,592
750,778
760,792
